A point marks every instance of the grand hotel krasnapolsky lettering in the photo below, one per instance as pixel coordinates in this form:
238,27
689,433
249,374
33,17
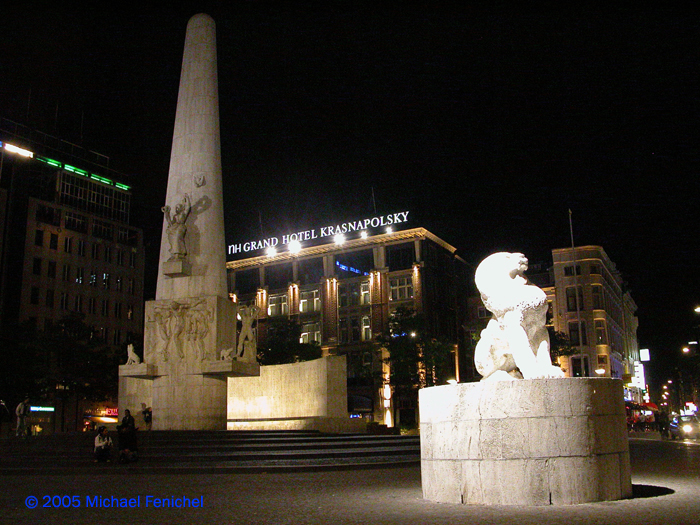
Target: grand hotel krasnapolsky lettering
319,233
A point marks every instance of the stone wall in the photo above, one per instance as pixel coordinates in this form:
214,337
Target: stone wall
527,442
302,396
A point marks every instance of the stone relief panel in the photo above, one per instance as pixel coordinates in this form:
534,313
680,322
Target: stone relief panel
181,328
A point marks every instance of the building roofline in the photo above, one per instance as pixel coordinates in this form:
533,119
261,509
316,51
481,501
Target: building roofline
354,244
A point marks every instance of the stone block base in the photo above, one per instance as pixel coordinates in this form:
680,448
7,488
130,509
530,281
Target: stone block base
332,425
527,442
177,268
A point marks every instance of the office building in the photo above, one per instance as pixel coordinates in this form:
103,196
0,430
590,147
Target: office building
343,293
67,242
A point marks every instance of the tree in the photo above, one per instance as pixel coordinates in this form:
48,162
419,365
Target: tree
66,363
416,360
23,366
559,345
284,346
67,354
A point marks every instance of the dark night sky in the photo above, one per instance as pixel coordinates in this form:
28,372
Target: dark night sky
487,125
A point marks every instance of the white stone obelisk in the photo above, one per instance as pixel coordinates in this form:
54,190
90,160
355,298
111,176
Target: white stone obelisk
195,173
191,324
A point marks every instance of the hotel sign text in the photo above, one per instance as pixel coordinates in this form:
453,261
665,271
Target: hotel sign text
319,233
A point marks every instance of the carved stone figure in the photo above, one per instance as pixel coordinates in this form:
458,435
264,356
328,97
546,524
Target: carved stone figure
131,357
197,321
227,354
515,343
246,339
174,319
177,228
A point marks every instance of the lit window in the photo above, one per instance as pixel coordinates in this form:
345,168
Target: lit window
310,301
401,288
364,293
277,305
601,334
366,329
310,333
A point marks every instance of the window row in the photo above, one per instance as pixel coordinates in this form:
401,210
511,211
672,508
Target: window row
594,269
79,303
116,336
349,294
577,339
104,280
93,197
354,329
110,254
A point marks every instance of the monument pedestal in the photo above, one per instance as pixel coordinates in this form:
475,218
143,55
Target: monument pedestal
526,442
183,377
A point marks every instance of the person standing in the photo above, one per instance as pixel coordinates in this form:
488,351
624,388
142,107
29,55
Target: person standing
128,449
147,416
22,411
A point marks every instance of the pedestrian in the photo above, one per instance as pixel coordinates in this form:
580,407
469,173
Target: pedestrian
22,411
103,445
128,448
147,416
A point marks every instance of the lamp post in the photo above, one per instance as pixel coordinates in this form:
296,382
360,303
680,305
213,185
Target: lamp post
691,371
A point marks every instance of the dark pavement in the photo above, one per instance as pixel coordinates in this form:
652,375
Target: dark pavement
666,478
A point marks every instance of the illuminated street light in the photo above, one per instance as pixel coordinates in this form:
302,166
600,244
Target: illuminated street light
339,239
294,247
271,251
19,151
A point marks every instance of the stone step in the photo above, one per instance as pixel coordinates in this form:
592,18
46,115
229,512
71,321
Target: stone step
241,451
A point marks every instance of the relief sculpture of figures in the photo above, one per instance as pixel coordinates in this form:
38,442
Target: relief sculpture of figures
515,343
169,319
174,319
177,228
197,326
246,339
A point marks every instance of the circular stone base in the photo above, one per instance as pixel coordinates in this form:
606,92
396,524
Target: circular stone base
526,442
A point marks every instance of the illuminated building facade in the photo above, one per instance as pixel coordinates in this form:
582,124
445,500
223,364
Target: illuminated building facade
589,292
342,295
67,245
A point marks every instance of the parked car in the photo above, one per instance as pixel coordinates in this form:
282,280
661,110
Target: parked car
684,427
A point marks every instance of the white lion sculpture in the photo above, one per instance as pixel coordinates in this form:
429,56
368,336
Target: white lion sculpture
515,343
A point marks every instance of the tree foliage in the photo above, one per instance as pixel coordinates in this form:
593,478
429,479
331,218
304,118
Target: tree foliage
283,345
559,345
67,354
416,360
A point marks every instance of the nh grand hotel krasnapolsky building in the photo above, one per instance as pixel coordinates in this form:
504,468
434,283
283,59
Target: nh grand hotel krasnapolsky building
342,282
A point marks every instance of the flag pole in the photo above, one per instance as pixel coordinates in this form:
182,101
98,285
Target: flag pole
576,295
